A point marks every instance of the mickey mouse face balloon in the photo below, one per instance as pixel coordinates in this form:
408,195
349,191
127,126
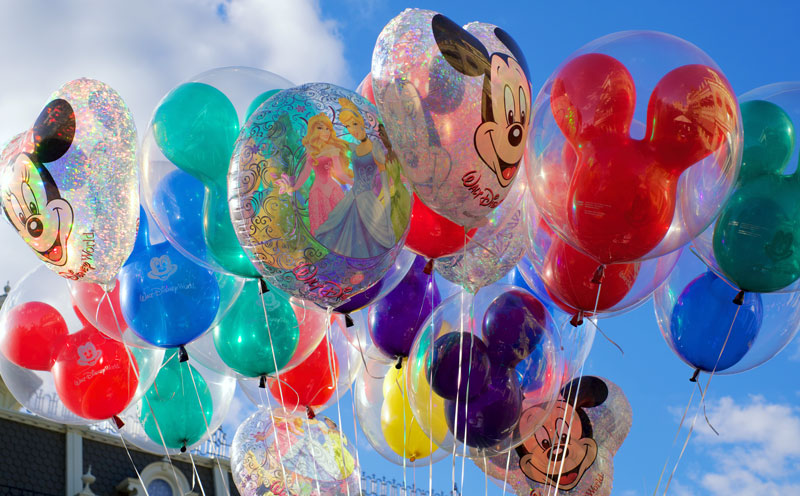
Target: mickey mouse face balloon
456,102
69,185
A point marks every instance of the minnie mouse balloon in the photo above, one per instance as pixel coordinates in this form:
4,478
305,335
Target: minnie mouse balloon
70,186
456,102
311,194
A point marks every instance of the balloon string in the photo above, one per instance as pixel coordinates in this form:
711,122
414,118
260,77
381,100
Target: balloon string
458,385
466,399
405,427
334,382
161,437
702,399
485,477
505,476
208,428
594,324
430,389
272,350
355,428
195,474
674,440
693,249
704,413
313,454
277,442
124,445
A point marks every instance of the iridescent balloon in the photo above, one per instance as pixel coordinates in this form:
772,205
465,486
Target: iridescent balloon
70,185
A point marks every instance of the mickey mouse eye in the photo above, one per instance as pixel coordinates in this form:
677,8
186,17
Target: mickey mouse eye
29,199
543,438
523,105
508,99
17,209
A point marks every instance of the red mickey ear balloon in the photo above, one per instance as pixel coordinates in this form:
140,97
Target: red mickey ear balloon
311,383
34,333
625,198
433,236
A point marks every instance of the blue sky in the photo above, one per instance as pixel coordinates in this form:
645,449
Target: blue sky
143,50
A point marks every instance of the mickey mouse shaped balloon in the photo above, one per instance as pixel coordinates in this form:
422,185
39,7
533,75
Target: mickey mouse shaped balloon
572,451
69,185
619,197
440,88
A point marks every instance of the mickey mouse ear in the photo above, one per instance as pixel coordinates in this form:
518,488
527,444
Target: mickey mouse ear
463,51
54,130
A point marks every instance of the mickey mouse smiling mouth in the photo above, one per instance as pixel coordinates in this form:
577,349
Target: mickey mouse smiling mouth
31,198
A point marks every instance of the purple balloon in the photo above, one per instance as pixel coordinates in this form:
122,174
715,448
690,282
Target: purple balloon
443,368
363,299
513,326
395,320
491,417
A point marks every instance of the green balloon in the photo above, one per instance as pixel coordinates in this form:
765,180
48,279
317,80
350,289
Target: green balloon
757,236
245,341
223,245
173,406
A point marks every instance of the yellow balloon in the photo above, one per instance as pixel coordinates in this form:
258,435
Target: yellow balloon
400,429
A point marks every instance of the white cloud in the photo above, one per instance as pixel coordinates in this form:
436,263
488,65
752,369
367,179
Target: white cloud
757,452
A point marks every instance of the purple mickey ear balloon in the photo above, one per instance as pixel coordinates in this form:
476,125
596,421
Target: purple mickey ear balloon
488,419
458,351
395,320
513,326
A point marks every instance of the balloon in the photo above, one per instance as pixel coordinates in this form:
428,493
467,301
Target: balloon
395,320
487,420
597,416
95,376
513,326
101,307
69,184
277,455
192,133
165,298
178,405
705,319
311,383
254,344
622,199
459,366
495,248
440,87
432,235
34,333
380,289
326,237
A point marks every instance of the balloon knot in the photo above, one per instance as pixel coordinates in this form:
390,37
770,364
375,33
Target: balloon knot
428,267
412,459
262,285
262,382
694,376
118,422
348,320
184,356
399,364
577,319
183,448
310,413
597,278
739,300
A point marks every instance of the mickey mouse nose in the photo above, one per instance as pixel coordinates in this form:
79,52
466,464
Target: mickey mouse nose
515,135
34,227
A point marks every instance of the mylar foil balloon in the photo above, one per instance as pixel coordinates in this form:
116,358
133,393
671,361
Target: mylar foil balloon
456,103
495,247
383,409
60,367
711,325
185,157
489,359
274,455
314,194
611,192
572,452
185,405
70,186
754,241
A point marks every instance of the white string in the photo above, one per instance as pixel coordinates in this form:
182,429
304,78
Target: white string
355,429
134,465
674,440
334,383
505,476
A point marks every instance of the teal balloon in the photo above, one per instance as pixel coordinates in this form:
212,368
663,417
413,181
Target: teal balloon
196,127
757,237
257,101
245,340
173,407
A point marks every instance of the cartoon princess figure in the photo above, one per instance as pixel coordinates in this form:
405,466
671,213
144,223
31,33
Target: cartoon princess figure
360,226
326,155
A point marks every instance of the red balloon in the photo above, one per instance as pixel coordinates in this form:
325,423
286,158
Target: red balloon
433,236
567,275
621,198
92,301
311,383
94,375
34,333
366,89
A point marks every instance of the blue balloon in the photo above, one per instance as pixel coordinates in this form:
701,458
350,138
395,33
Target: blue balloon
166,299
702,317
178,198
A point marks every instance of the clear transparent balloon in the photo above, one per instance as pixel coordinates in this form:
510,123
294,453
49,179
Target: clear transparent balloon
779,325
369,395
538,374
175,199
221,388
36,389
702,188
786,96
